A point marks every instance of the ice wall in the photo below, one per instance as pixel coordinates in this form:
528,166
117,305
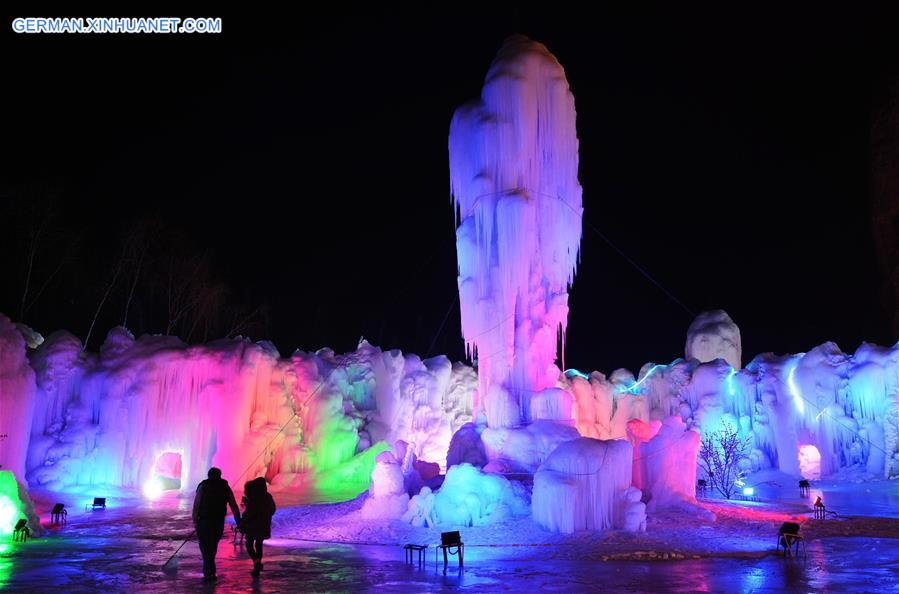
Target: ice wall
513,176
313,421
836,408
17,390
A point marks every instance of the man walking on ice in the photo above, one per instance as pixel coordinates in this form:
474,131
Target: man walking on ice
213,495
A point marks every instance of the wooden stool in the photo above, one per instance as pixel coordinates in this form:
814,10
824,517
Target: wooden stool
414,547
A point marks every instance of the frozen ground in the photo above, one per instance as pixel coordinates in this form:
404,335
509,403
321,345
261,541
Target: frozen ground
124,547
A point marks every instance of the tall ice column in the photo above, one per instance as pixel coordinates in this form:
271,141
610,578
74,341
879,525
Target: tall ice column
513,176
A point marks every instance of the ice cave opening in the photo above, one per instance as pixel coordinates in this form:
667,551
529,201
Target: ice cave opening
809,462
166,475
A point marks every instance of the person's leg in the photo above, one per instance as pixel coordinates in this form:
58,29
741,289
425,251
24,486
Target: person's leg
251,550
256,545
216,535
203,540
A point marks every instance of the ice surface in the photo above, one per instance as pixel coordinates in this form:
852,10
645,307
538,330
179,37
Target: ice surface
513,176
582,485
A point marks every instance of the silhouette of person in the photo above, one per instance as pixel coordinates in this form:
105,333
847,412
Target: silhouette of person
257,519
213,496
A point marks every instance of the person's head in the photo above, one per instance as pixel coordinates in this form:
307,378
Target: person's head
261,485
214,473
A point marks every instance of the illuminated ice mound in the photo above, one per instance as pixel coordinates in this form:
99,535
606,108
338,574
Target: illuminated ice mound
664,462
524,449
582,485
713,335
387,498
469,497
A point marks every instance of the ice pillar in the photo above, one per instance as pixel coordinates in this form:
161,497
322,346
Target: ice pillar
513,176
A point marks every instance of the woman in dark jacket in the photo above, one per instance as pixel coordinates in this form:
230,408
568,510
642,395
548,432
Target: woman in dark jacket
257,519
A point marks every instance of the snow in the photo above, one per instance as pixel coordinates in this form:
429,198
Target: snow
513,177
582,486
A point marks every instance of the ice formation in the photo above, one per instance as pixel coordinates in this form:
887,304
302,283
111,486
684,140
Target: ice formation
470,497
139,408
664,462
513,175
713,335
582,485
17,393
525,448
634,511
387,494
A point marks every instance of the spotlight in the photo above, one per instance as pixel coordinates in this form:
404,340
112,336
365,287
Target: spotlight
748,491
152,488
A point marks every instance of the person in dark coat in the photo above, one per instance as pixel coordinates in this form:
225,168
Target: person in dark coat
257,519
213,497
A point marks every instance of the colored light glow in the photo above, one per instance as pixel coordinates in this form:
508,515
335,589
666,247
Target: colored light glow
794,391
575,372
152,488
9,513
730,381
633,388
748,491
10,507
350,478
166,470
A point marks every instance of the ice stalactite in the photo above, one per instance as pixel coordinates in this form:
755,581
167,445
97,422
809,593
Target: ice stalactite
513,176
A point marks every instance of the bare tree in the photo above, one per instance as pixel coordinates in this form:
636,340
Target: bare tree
109,287
46,249
136,247
720,454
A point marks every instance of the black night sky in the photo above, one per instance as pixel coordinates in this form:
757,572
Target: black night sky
727,153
